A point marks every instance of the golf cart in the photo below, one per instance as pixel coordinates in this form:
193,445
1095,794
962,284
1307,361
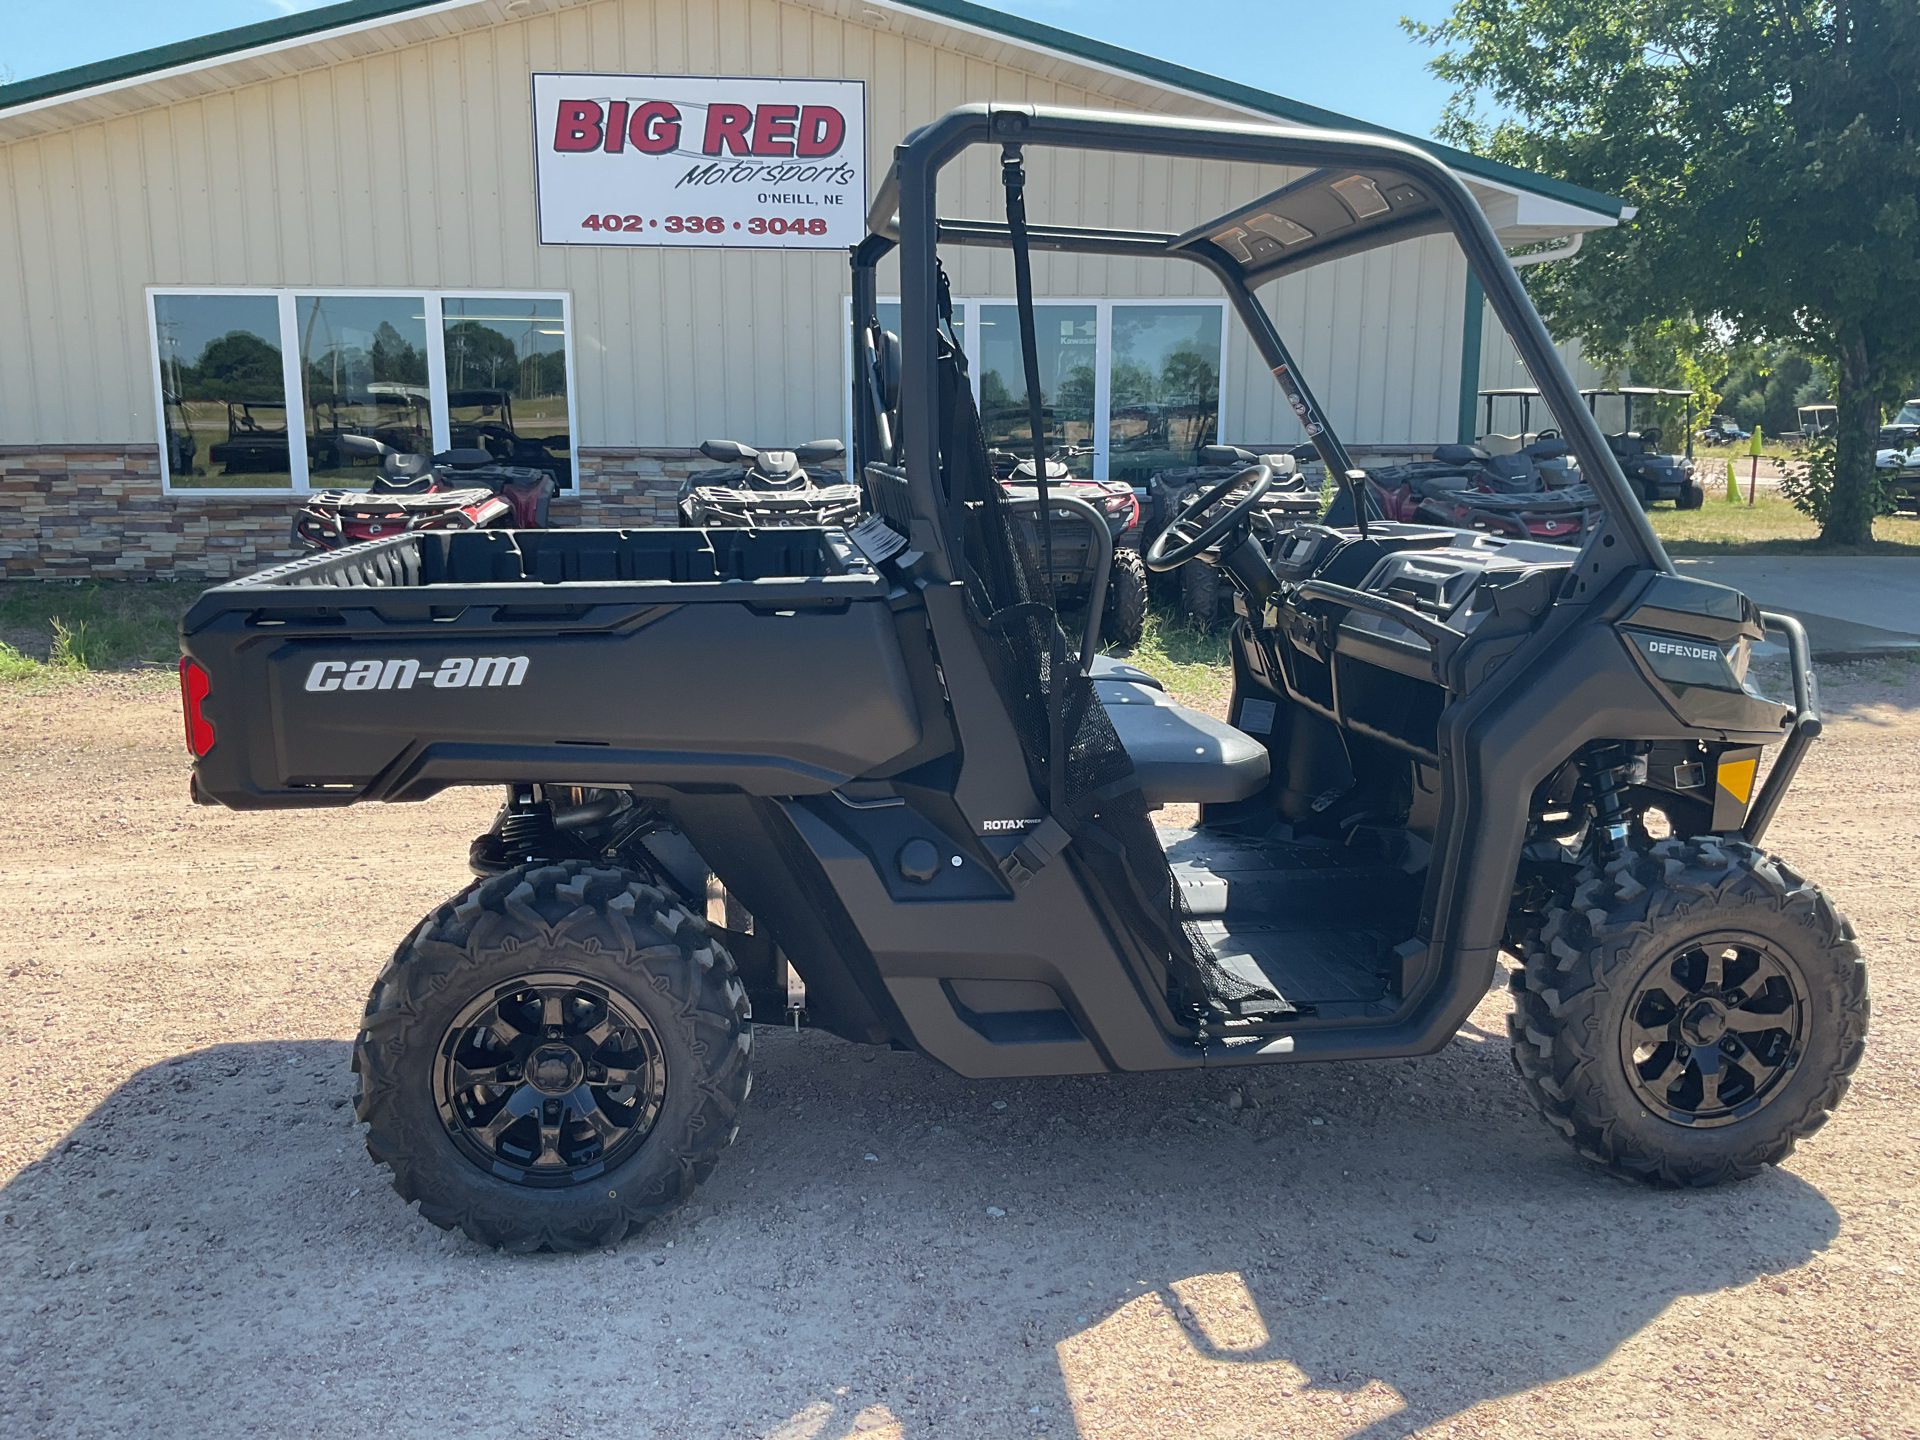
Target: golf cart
1650,474
934,803
1725,430
1815,421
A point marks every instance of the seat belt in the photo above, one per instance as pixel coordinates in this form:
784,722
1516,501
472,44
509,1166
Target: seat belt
1051,836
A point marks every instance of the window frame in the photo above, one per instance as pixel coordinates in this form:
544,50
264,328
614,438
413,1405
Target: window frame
968,310
294,388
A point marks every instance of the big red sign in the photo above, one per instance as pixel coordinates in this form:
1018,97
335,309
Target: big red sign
689,160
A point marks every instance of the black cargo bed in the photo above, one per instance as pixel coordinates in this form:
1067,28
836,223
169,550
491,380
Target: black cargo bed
761,661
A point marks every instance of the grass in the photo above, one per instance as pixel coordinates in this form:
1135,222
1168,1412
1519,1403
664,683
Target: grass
1770,526
1190,662
51,629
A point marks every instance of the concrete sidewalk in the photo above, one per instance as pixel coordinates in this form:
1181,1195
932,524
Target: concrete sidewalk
1851,605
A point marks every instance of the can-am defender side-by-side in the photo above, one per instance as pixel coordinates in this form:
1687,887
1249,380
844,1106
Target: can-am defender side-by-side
934,804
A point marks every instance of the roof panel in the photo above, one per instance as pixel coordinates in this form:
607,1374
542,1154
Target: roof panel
286,30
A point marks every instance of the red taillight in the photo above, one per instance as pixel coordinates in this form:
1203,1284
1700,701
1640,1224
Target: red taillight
193,689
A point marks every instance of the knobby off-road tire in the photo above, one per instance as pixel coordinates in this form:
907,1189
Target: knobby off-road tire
1125,617
1200,593
603,954
1722,932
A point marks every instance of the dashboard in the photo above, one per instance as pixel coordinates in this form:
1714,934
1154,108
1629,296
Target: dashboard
1367,632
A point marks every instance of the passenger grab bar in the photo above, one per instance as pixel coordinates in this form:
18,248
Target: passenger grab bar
1441,639
1806,726
1103,547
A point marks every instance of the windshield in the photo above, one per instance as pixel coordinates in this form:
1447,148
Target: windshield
1909,413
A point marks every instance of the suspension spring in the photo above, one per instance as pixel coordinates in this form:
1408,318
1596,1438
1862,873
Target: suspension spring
526,830
1608,767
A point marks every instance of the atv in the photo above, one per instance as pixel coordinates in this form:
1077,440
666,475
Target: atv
1070,560
1533,493
932,808
454,490
1203,594
760,488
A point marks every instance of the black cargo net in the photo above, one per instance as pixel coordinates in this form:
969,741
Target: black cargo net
1029,657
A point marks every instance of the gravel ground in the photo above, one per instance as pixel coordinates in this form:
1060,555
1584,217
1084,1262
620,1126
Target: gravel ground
195,1243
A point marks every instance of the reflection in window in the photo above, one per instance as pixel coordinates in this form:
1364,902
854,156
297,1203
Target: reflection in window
1165,388
887,312
364,365
223,392
1067,336
507,381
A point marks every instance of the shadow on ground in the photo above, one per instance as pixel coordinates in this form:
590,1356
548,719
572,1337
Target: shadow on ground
1323,1250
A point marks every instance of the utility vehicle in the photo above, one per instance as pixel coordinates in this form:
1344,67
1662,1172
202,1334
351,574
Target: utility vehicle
483,420
935,804
760,488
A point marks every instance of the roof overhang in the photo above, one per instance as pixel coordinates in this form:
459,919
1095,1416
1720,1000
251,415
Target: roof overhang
1524,207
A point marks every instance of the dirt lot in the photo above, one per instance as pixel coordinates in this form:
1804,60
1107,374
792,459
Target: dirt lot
193,1242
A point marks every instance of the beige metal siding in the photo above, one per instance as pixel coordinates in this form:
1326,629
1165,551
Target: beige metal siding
406,160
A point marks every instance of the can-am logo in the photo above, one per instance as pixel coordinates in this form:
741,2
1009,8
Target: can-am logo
453,673
1674,647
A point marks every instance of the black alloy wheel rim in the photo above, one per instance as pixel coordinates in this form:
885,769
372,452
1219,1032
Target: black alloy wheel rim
549,1081
1714,1028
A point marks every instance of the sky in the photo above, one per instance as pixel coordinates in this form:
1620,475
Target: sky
1349,56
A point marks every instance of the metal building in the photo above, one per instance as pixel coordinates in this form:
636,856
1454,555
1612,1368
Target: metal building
215,255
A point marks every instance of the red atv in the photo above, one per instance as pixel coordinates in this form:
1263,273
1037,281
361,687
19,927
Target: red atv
455,490
1533,494
1072,577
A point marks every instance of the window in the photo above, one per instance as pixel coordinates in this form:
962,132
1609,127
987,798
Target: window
1132,386
421,373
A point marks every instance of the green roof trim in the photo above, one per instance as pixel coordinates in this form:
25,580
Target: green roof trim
311,23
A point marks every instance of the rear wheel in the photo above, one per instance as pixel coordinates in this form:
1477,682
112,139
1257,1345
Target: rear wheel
1689,1012
1125,617
554,1056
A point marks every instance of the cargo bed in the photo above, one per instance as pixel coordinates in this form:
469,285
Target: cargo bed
762,661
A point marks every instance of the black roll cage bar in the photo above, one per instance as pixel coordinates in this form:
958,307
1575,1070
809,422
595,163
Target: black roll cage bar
1360,192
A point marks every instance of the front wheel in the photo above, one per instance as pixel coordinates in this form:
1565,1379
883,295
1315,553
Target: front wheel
1125,618
1200,593
1689,1012
556,1055
1692,496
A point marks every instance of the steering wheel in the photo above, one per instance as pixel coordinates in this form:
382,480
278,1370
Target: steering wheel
1162,555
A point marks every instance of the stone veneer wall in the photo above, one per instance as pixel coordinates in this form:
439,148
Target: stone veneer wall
97,511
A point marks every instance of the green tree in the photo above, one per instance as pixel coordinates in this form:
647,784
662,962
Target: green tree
239,365
480,358
1773,151
393,358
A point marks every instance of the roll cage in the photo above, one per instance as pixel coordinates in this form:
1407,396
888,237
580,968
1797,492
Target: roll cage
1360,192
